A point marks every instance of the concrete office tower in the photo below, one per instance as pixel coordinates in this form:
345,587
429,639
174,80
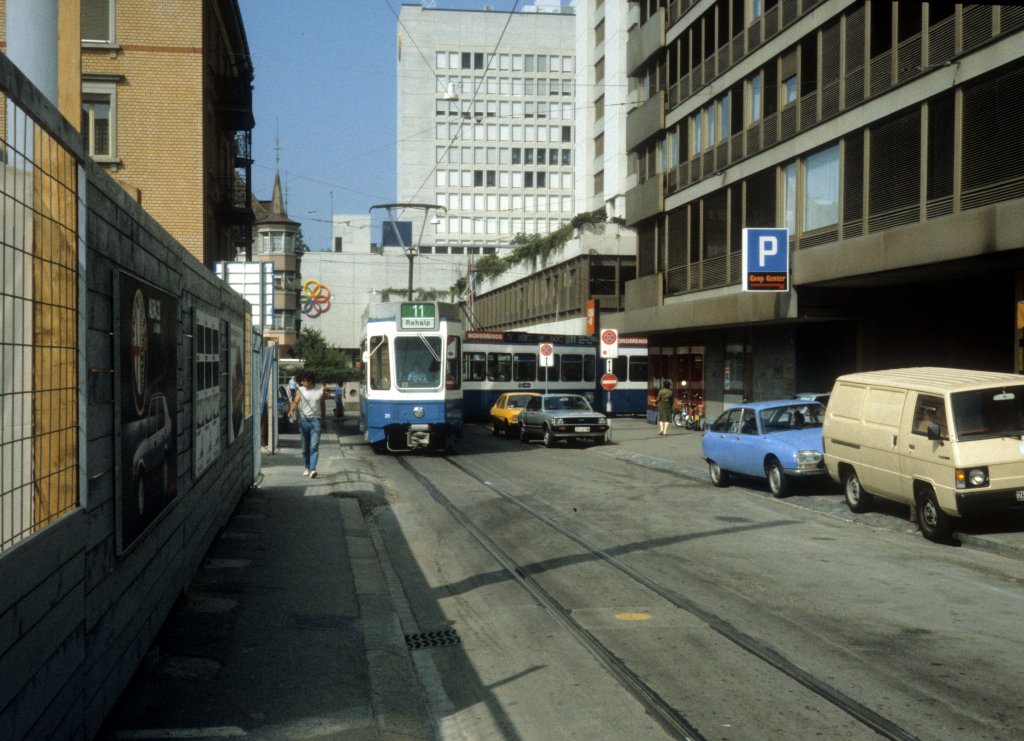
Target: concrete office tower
883,136
486,123
604,95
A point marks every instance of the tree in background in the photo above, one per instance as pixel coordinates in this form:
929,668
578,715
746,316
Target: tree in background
330,364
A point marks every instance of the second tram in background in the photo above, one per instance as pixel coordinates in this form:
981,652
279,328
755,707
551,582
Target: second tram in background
411,391
495,362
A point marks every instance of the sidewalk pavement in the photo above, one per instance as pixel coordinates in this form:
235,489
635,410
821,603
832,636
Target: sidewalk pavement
288,630
292,628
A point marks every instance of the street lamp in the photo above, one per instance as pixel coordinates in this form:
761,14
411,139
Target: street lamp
413,249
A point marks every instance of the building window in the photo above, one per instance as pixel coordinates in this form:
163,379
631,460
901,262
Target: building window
789,89
755,98
789,197
98,21
821,189
99,121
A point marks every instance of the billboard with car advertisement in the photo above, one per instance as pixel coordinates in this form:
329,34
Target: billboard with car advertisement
146,347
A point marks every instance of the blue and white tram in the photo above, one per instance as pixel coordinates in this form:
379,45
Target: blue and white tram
495,362
411,392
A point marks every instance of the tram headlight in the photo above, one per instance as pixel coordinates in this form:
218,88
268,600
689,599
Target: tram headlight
417,412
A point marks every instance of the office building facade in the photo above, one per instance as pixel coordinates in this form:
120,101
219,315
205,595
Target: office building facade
486,124
884,137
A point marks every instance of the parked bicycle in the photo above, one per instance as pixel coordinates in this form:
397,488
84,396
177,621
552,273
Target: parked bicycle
690,414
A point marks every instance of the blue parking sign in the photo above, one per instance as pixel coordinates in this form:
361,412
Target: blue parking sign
765,259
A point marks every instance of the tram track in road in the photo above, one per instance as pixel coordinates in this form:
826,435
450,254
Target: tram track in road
671,718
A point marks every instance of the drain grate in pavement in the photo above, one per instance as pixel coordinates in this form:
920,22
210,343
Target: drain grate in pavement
429,640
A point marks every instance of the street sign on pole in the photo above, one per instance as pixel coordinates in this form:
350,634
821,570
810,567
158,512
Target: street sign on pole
609,381
609,343
547,355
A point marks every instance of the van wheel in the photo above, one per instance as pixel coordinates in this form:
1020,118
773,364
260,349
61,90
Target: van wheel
719,477
935,524
777,480
857,499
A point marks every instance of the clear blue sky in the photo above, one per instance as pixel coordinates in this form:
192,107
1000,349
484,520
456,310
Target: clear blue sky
325,86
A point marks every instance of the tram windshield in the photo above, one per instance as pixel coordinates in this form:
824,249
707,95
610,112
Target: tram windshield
418,361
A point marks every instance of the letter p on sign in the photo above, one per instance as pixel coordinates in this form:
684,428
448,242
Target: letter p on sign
767,246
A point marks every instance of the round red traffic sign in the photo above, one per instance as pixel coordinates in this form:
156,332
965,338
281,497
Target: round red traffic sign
609,337
609,381
547,349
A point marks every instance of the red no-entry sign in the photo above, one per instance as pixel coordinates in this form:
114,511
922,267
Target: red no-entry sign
609,381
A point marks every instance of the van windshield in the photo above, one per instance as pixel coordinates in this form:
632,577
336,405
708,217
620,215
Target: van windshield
993,412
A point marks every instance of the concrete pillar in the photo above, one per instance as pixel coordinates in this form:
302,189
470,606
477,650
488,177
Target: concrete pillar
32,42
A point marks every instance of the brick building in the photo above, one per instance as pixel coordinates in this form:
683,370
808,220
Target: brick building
167,111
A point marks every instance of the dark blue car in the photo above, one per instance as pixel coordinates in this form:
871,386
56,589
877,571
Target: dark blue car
774,440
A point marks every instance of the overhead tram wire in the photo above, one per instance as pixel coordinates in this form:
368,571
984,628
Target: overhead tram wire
483,80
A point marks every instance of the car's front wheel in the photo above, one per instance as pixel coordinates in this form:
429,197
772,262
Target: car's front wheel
549,439
778,482
719,477
935,524
857,499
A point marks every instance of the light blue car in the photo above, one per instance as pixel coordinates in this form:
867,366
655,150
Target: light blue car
775,440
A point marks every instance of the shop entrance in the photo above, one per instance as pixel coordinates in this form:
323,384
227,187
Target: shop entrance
683,367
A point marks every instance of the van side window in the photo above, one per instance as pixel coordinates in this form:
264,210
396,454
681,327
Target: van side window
930,410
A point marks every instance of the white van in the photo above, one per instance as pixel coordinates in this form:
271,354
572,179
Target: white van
947,442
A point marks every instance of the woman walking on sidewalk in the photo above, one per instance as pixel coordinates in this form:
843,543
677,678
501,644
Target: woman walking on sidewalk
664,405
311,404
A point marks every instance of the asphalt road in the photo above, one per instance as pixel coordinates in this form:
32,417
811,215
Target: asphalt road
517,592
745,616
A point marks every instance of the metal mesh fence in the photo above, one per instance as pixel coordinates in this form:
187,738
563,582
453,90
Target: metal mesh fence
39,394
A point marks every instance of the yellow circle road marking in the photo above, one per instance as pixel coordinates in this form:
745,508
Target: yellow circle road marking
633,616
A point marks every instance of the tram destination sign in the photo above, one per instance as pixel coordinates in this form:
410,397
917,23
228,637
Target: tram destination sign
418,316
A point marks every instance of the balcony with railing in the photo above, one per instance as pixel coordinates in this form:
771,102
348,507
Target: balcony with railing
645,200
234,102
645,41
645,121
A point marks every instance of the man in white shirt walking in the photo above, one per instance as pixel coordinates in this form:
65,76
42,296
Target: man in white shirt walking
311,405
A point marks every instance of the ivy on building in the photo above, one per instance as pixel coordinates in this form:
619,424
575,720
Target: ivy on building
531,249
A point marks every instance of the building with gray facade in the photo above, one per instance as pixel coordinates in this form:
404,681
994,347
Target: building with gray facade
884,136
604,95
486,123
